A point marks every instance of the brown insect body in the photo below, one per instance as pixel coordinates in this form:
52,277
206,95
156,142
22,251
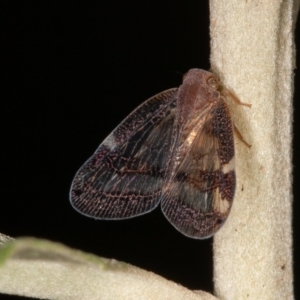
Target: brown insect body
201,203
176,149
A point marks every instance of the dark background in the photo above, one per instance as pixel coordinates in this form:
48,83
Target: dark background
70,72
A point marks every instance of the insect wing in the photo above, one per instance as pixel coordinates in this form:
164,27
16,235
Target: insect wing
124,177
198,197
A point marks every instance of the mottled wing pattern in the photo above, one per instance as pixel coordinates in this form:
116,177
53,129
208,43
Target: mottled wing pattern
198,194
124,177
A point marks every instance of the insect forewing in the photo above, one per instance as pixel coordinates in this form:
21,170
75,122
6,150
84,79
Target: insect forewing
197,198
124,177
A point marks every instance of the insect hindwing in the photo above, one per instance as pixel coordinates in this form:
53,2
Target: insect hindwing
177,148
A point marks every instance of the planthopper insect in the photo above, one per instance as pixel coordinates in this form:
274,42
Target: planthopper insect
176,149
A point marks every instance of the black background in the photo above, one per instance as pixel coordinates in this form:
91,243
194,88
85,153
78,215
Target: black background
70,72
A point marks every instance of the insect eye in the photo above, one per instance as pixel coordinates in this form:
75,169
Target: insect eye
213,82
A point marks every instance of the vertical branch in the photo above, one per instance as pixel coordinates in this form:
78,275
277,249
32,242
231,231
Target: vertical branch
252,50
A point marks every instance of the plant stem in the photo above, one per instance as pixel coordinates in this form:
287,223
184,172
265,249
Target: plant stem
252,51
